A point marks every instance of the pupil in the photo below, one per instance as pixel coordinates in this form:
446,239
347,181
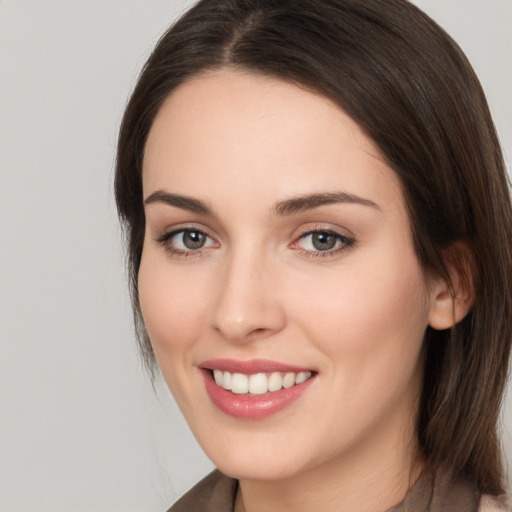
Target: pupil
193,239
324,241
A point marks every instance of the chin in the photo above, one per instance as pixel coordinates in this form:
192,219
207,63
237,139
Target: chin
256,470
254,458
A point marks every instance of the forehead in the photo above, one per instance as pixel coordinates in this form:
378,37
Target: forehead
224,127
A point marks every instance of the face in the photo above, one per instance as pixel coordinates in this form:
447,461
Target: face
278,263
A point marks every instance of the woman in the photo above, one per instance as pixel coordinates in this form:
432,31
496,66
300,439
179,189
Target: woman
319,230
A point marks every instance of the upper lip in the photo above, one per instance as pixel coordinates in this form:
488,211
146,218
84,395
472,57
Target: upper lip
251,367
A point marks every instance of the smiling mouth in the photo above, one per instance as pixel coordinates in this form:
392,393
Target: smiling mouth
258,383
255,389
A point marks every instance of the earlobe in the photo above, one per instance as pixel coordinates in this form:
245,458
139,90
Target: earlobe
452,296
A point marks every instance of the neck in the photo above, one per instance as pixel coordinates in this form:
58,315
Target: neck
372,478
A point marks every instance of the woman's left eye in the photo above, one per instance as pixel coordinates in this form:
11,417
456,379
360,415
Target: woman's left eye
323,241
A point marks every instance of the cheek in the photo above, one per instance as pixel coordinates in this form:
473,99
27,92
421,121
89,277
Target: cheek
370,326
173,307
370,320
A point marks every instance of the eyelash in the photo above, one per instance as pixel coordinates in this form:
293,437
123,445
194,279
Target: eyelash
165,241
345,243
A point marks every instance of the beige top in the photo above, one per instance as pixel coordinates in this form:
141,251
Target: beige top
216,493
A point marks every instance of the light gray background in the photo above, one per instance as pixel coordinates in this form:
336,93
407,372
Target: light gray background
80,427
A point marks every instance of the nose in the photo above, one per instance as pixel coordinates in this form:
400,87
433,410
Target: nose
248,307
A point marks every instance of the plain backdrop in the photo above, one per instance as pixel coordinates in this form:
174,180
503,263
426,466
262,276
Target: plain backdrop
81,428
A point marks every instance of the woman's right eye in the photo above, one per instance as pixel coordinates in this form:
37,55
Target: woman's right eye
185,241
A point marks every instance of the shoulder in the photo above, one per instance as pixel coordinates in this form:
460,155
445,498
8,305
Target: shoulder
490,503
214,493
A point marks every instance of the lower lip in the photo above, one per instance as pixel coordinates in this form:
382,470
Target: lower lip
252,407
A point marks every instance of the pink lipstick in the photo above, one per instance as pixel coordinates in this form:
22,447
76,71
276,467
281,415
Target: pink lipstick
254,389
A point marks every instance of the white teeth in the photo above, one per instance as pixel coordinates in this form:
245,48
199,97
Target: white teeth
258,383
239,384
275,382
219,377
289,380
302,377
226,384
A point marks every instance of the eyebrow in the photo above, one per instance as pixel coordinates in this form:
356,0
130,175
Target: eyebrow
183,202
282,208
311,201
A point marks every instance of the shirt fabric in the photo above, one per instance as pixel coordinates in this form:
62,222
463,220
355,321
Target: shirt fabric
439,493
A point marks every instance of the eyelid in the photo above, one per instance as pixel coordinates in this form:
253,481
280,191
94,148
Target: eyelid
347,240
165,238
169,229
326,227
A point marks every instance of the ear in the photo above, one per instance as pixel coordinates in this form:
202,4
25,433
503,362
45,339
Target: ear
453,295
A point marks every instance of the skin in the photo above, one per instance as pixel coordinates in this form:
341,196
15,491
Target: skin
258,289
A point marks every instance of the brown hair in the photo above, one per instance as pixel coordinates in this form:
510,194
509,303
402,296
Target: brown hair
409,86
